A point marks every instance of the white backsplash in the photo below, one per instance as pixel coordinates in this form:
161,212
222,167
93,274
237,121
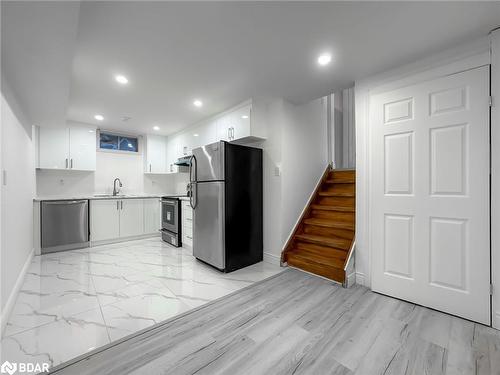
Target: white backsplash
128,168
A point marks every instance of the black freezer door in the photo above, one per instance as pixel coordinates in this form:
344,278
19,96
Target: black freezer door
243,206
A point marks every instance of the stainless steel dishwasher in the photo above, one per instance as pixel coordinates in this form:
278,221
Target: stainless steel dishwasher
65,225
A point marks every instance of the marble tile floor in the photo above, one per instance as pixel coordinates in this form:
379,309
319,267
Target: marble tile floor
73,302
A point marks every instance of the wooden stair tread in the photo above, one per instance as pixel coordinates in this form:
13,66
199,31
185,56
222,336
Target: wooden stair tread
341,181
332,208
309,248
329,223
329,271
324,260
336,242
336,194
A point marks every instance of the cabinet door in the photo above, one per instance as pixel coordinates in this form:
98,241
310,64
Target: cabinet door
82,149
131,217
156,154
184,143
207,134
152,215
104,219
223,125
53,148
240,123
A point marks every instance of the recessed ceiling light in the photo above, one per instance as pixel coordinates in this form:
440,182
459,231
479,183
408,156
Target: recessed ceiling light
244,116
99,117
91,131
198,103
156,127
324,59
195,134
121,79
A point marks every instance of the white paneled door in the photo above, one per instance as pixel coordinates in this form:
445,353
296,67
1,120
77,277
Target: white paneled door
430,194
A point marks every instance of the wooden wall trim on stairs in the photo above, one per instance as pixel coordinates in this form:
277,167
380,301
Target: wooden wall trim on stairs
322,240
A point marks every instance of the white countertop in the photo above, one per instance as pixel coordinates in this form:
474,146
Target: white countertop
101,196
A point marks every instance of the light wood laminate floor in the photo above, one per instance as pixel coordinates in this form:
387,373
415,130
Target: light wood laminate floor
295,323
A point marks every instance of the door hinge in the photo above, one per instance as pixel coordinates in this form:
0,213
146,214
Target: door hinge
491,101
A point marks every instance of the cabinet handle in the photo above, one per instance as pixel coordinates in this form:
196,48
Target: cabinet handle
121,204
188,219
229,133
117,205
149,167
189,237
232,133
71,163
66,163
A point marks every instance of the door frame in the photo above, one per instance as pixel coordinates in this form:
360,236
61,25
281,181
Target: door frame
469,56
495,175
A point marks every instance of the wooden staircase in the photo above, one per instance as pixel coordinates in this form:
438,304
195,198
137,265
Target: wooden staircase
323,239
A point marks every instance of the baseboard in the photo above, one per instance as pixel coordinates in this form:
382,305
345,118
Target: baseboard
271,258
360,278
496,320
350,279
124,239
9,305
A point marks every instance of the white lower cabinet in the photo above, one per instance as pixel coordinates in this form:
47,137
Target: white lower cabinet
131,217
112,219
104,219
187,224
152,215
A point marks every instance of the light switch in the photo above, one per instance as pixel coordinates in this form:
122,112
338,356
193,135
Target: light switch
277,171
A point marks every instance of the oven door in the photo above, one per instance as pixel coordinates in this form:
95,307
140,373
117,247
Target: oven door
169,214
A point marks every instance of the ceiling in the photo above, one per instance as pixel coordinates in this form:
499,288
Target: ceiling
60,58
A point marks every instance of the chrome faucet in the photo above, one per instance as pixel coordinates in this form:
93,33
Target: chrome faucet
115,190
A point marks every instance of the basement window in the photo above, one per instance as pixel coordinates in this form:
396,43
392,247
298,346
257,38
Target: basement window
116,142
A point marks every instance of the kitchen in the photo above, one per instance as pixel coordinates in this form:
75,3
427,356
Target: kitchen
125,245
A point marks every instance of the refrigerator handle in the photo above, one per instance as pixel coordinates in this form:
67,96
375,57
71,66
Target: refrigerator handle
193,167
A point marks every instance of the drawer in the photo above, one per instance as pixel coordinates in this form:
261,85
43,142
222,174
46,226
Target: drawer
187,222
187,230
187,212
187,238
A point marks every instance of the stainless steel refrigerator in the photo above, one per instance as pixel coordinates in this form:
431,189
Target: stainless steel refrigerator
226,196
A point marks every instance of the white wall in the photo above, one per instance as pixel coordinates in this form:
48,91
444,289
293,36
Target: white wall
129,168
271,155
17,204
304,159
295,157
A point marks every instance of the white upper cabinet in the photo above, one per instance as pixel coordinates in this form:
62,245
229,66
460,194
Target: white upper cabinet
53,148
240,125
156,154
71,148
82,149
172,154
224,128
244,124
